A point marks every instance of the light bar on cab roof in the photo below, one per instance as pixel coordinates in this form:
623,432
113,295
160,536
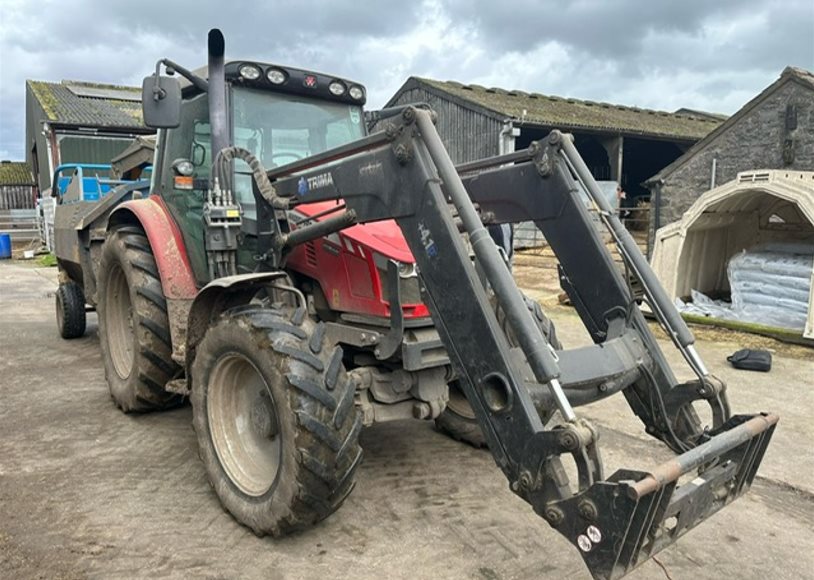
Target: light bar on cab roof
267,76
249,72
276,76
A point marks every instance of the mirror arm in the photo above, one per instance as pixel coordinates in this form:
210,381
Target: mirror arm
158,92
199,83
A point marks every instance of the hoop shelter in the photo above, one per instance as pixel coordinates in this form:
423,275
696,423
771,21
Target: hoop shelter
757,207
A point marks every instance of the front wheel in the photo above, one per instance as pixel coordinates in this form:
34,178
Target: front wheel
458,419
274,414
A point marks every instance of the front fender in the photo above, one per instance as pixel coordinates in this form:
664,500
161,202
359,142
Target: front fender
214,298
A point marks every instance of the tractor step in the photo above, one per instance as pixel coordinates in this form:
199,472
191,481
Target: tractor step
622,522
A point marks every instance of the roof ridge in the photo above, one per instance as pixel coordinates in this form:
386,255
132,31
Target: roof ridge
66,82
573,100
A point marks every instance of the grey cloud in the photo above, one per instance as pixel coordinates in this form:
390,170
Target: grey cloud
660,54
601,28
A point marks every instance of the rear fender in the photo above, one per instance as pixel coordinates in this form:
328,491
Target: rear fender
218,296
166,242
175,272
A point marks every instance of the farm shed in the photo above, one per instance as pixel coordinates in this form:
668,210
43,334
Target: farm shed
78,122
16,186
618,143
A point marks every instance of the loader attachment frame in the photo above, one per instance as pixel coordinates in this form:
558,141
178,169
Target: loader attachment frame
524,397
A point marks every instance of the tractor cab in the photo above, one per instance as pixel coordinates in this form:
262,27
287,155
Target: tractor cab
280,115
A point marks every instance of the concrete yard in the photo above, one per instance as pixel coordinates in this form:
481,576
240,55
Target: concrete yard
87,492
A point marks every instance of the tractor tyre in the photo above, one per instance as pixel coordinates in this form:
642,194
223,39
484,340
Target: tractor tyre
458,419
134,328
70,304
273,410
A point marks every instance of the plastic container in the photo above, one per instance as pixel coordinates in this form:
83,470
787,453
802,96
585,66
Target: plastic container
5,246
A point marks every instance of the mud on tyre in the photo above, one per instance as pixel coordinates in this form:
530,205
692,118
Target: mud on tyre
274,414
134,328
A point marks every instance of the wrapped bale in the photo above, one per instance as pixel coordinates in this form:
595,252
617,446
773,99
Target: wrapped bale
771,284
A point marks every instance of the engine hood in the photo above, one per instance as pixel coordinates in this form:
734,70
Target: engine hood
384,237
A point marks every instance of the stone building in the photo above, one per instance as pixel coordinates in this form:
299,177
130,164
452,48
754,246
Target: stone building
775,130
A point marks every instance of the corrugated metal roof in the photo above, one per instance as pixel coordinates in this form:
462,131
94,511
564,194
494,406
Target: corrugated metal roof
65,103
567,113
15,173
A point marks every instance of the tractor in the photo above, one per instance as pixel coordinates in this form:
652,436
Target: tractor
298,278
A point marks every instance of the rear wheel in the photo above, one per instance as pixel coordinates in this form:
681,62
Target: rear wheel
134,327
70,305
274,414
458,419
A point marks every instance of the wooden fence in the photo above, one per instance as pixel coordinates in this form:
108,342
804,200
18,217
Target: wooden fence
17,197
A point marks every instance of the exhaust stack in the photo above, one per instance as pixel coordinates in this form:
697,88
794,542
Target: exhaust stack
217,92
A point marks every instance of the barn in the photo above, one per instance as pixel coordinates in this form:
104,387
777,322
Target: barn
619,143
17,189
78,122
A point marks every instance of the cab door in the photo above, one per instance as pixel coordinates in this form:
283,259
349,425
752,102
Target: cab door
189,141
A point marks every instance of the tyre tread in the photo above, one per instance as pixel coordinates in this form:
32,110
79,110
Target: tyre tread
326,426
129,248
74,319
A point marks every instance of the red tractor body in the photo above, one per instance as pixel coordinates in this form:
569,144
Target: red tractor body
350,266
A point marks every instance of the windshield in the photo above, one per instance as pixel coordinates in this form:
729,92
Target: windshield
280,129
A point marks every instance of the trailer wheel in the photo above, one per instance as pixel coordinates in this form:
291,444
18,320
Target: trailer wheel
274,413
458,419
70,304
134,328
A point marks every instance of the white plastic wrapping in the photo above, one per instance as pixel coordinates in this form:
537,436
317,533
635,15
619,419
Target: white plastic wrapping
770,285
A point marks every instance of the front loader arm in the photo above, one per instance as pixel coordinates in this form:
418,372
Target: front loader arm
404,173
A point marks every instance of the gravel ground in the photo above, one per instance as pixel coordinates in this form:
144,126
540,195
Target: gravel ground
86,492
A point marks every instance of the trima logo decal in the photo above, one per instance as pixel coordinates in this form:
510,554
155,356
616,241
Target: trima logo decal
306,184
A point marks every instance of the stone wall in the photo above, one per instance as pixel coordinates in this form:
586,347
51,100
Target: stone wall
755,141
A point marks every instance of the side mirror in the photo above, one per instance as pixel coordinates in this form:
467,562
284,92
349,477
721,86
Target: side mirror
161,102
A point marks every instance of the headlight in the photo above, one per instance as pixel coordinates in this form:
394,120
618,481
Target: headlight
183,167
249,72
407,270
276,76
337,88
408,280
357,92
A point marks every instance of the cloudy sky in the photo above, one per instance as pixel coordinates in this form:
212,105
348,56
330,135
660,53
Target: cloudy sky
661,54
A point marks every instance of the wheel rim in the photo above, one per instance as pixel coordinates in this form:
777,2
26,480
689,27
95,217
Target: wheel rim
243,424
121,336
459,404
